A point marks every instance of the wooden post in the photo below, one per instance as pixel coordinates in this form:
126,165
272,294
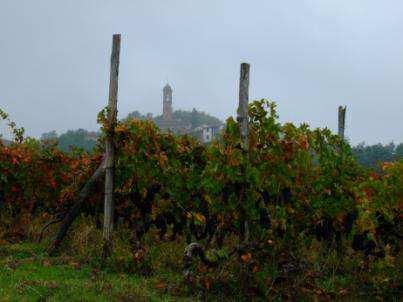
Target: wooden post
75,209
110,150
242,113
243,122
342,121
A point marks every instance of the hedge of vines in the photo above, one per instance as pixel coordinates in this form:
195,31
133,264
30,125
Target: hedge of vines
292,187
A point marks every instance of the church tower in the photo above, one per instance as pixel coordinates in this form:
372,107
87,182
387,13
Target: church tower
167,103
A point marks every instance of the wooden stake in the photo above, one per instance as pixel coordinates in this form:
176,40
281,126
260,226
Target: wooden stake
110,150
75,209
243,122
242,113
342,121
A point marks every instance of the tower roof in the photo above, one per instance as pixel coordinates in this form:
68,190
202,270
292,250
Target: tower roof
167,87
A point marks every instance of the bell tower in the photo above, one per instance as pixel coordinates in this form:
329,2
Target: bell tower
167,103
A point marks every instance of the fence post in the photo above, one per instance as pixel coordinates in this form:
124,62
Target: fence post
110,150
342,121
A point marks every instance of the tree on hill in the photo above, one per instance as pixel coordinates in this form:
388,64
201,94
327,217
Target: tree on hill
79,138
194,118
136,115
399,151
49,136
370,156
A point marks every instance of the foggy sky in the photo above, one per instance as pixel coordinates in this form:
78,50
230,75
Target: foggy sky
308,55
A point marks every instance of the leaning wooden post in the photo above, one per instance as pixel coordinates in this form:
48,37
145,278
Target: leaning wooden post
342,121
109,147
243,122
75,209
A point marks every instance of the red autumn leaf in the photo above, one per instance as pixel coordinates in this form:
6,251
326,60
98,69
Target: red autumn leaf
207,283
14,160
246,257
160,285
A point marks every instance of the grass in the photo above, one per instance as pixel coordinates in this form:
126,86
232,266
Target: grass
26,274
153,272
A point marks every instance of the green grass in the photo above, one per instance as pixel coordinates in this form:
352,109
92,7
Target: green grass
27,274
154,273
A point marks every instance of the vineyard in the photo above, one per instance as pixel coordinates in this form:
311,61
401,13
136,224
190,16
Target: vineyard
291,215
268,211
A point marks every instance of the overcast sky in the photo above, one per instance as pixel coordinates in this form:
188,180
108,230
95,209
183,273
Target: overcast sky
308,55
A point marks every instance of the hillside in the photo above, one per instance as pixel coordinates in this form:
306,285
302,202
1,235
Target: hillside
193,118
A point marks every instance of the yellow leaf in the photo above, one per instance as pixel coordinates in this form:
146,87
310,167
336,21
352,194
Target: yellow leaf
200,218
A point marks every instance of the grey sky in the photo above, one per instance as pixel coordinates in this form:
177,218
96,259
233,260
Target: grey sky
308,55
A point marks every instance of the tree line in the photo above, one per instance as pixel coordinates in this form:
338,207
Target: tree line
372,155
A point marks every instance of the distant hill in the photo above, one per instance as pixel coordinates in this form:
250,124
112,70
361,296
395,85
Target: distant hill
79,138
193,118
86,140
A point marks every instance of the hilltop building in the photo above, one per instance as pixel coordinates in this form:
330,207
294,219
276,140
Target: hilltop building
167,103
206,133
184,122
168,122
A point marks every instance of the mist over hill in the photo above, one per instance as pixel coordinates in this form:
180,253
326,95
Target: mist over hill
193,118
